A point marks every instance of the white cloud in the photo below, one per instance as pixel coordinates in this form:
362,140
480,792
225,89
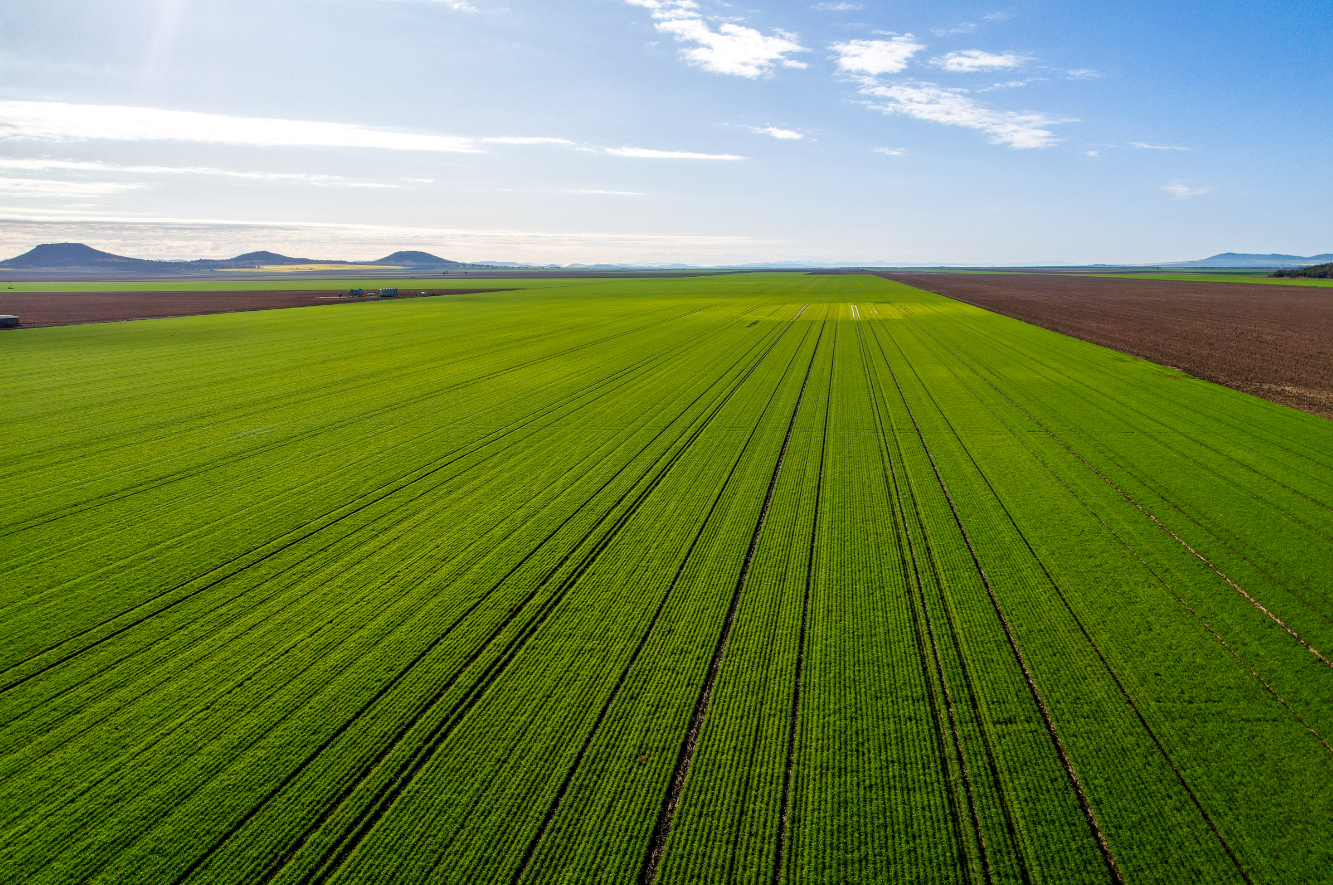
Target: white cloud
836,7
37,187
952,107
94,166
996,16
970,60
56,121
731,49
784,134
892,152
1157,147
649,154
522,139
1093,153
876,56
607,193
1184,192
1083,74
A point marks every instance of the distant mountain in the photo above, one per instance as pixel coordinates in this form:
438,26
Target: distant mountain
1248,259
262,259
77,255
416,259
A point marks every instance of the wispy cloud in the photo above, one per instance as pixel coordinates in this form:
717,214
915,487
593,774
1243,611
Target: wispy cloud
784,134
38,187
731,49
892,152
607,193
970,60
1093,153
836,7
33,165
456,5
56,121
650,154
875,57
1083,74
1157,147
953,107
964,28
1183,192
1012,84
525,139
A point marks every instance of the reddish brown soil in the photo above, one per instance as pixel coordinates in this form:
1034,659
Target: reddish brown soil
68,308
1272,341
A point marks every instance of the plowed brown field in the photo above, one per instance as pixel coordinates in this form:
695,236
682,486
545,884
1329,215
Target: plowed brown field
69,308
1272,341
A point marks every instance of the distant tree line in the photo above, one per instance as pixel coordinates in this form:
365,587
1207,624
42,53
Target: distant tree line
1314,271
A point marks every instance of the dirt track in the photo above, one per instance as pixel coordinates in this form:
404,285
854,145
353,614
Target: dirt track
69,308
1271,341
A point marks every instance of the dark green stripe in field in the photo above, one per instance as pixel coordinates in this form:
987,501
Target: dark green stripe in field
757,578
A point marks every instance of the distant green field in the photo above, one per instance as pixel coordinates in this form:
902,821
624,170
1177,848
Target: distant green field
762,578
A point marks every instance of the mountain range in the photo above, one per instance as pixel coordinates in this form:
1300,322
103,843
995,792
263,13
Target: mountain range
70,256
78,255
1249,259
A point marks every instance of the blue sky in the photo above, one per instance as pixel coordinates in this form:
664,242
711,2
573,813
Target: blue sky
668,130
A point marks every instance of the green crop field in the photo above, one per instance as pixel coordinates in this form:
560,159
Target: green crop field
754,578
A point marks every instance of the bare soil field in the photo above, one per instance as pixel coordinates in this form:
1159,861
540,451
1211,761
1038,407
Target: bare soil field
70,308
1273,342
